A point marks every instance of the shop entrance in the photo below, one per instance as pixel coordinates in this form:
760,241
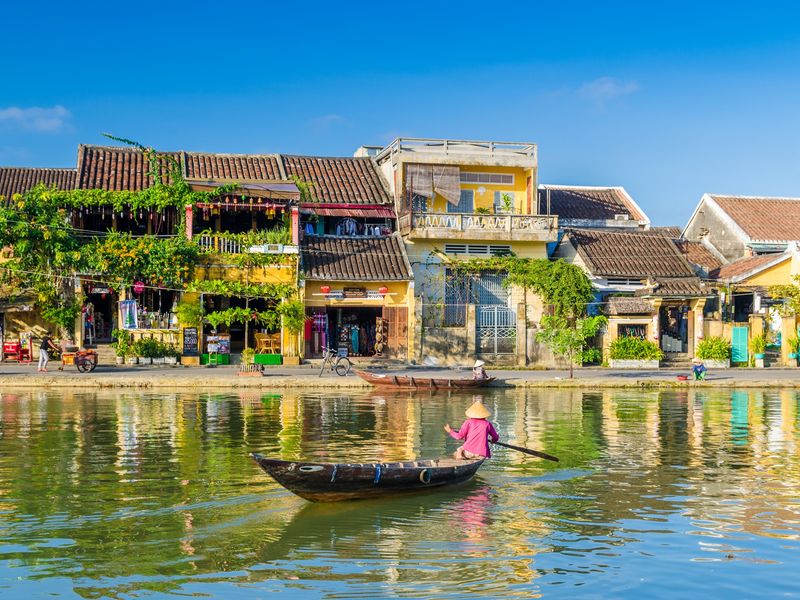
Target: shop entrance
363,330
99,315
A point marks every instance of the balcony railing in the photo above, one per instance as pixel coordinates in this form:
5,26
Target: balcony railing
483,226
222,244
459,147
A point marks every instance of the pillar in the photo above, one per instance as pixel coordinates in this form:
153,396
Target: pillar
655,323
189,221
295,212
522,336
471,331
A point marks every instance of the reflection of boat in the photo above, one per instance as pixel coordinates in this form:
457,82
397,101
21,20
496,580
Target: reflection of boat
330,482
411,382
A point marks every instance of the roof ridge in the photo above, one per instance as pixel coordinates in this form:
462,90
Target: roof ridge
40,168
562,186
741,197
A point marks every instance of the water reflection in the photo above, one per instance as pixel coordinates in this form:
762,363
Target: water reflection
136,494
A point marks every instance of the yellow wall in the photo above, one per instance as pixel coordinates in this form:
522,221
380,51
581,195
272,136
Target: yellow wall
780,274
486,199
269,274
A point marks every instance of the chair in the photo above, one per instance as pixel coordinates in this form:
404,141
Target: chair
274,343
262,343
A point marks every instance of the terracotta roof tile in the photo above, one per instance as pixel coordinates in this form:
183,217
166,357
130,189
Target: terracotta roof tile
746,265
339,180
757,216
200,165
674,286
670,231
624,254
625,305
698,254
117,169
588,203
17,180
339,258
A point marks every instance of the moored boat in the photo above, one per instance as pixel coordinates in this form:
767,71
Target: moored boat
332,482
411,382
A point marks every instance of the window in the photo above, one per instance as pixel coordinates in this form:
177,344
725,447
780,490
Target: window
465,205
478,249
504,202
419,204
487,178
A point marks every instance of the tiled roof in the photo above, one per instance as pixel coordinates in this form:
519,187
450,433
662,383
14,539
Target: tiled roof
200,165
747,265
671,231
674,286
625,305
339,180
764,218
17,180
111,168
698,254
588,203
339,258
624,254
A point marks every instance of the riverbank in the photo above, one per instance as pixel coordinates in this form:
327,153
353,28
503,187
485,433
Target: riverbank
307,376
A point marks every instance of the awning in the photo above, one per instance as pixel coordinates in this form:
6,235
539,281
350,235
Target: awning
378,212
277,190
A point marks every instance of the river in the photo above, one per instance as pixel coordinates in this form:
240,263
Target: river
658,494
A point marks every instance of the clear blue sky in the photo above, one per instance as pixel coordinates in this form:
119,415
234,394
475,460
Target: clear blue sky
669,101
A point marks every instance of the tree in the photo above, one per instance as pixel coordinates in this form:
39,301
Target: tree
568,339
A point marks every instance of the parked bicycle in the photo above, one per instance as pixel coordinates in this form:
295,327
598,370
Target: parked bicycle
336,362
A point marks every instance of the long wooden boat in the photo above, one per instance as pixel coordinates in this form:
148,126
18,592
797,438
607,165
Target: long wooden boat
411,382
332,482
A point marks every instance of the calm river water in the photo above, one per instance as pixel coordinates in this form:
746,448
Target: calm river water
658,495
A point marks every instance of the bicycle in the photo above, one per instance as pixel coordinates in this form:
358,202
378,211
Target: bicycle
340,364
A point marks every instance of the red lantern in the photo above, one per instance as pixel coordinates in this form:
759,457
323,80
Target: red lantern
325,289
138,287
383,290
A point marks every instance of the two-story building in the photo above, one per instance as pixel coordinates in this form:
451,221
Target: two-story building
457,200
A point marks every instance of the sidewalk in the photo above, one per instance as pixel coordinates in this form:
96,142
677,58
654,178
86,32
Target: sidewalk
307,376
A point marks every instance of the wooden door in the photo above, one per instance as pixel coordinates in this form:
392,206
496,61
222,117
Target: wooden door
397,344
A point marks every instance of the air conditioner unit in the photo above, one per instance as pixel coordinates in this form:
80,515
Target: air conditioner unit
622,217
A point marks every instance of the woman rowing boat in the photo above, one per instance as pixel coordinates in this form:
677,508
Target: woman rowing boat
476,432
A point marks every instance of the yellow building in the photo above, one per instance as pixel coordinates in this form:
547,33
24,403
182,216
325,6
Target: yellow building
457,200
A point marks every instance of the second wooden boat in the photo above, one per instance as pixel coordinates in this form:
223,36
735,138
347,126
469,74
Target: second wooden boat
411,382
332,482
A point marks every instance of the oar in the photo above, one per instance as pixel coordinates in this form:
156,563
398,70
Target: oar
528,451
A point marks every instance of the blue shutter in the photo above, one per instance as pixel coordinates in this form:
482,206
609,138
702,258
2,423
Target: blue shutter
739,353
465,204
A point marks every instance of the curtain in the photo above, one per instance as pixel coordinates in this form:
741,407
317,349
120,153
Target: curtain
425,180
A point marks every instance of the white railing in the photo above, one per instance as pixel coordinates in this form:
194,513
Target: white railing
456,147
221,244
479,222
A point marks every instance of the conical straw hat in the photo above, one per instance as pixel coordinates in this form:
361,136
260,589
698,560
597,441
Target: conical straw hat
478,411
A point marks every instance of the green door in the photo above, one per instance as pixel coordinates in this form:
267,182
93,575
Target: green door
739,352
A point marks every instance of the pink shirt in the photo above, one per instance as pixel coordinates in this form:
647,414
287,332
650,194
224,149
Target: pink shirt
475,432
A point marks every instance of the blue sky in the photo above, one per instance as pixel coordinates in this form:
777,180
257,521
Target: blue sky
669,100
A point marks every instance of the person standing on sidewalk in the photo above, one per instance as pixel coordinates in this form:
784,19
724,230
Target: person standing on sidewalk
46,345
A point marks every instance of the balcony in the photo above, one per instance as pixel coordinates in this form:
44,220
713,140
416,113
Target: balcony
473,226
232,244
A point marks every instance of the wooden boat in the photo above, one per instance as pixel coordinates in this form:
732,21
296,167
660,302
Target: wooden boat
412,383
332,482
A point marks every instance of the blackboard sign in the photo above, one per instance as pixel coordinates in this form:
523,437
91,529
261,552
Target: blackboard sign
191,344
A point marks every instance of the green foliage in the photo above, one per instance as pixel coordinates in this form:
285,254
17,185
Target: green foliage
62,315
790,295
634,348
591,356
294,315
758,344
306,188
234,314
279,235
248,355
147,348
569,339
483,210
508,202
123,344
190,314
714,348
794,344
220,287
121,259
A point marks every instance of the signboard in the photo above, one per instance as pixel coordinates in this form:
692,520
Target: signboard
355,292
99,289
218,343
191,342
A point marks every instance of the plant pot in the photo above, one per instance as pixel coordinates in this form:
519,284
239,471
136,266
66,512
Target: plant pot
131,360
792,355
170,360
145,361
159,360
631,363
291,360
760,362
120,360
716,363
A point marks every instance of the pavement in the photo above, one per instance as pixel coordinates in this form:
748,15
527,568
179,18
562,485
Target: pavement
307,376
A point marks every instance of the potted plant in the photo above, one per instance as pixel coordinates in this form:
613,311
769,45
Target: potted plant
248,356
634,353
122,345
794,347
170,355
715,352
758,346
159,350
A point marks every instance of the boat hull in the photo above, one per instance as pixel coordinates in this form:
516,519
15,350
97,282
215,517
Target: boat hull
409,382
329,482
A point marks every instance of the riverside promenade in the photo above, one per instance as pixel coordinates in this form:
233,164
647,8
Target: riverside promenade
307,376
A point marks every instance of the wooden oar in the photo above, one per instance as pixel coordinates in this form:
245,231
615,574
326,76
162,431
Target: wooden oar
528,451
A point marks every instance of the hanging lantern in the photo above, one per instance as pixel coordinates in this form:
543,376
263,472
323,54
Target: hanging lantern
138,287
325,289
103,295
383,290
